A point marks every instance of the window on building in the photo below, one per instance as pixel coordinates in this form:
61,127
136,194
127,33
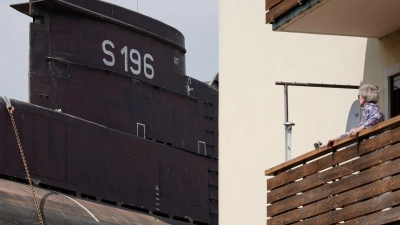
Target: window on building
395,96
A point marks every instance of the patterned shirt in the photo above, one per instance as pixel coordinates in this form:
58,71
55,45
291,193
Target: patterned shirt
371,115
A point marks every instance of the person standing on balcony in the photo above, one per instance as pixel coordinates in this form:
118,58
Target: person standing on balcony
371,113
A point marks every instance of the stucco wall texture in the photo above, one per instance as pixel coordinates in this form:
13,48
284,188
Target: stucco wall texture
251,130
382,60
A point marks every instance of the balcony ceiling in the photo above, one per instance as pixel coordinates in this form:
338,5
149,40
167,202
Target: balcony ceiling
360,18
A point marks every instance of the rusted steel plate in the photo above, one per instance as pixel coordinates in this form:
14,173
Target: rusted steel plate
120,78
112,166
17,207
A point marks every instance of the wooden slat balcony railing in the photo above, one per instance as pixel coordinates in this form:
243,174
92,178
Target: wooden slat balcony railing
276,8
357,181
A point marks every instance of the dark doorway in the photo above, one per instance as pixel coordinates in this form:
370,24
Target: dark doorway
395,96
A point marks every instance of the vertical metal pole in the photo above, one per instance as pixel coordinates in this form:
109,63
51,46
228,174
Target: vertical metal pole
30,7
288,140
286,103
288,127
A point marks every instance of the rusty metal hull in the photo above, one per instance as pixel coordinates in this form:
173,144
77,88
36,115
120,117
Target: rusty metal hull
135,132
17,207
118,76
92,161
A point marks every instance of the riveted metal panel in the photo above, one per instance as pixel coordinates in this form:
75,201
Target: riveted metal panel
214,207
111,165
214,193
27,138
179,128
42,146
73,156
213,219
43,91
195,188
170,182
69,99
213,166
133,171
57,150
213,179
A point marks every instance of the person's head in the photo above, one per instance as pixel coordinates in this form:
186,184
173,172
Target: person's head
368,94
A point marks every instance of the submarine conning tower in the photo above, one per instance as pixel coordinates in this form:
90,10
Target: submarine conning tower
121,69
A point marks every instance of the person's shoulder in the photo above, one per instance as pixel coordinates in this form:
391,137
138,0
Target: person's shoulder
372,108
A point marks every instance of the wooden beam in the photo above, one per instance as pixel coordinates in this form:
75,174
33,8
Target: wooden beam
363,178
269,4
280,9
340,171
312,167
364,147
341,200
388,124
356,210
382,217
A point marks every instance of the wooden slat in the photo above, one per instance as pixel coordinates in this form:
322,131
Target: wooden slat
342,185
269,4
318,179
377,218
333,159
393,122
359,209
280,9
340,200
312,167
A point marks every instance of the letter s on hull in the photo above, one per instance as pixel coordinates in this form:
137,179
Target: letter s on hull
112,62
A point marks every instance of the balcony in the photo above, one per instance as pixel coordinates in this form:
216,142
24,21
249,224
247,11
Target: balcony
360,18
357,181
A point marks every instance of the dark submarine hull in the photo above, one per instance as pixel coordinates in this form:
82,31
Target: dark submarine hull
17,208
135,133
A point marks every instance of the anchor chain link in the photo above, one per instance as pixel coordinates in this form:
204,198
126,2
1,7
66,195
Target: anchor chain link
10,109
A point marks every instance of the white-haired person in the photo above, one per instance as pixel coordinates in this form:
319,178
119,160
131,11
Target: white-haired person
371,113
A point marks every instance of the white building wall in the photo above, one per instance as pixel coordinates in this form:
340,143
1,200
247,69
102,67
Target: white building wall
251,131
382,61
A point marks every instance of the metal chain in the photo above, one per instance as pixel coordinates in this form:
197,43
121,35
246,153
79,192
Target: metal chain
26,167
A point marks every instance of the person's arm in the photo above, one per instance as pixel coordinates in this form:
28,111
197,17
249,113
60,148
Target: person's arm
373,117
331,141
353,132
